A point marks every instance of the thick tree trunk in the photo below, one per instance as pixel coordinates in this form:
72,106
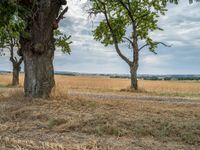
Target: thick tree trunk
15,77
39,75
38,49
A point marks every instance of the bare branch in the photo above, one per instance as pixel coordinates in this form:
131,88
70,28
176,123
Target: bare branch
61,16
143,47
156,43
163,44
129,40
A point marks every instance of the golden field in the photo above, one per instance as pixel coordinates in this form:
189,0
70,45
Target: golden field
67,122
106,84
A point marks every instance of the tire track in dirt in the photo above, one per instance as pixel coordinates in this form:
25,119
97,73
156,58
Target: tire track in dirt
113,96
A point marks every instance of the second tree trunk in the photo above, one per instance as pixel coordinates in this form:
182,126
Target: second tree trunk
15,77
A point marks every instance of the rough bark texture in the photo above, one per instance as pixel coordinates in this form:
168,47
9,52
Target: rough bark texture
134,82
16,71
134,66
38,48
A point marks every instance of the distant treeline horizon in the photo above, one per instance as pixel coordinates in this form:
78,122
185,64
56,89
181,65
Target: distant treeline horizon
115,75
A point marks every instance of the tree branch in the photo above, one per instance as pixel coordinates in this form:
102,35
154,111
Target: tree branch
114,36
61,16
129,11
143,47
163,44
157,43
12,60
20,61
131,42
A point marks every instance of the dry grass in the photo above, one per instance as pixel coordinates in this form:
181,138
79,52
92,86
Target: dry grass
77,123
105,84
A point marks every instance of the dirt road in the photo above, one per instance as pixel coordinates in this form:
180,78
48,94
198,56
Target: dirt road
115,96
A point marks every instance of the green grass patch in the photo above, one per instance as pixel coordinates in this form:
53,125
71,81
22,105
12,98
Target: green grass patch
2,86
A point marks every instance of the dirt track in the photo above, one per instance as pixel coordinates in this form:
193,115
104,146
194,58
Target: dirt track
123,96
114,96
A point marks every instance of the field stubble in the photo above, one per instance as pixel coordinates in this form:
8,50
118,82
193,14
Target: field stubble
65,122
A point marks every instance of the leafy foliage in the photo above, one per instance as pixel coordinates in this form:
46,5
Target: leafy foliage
135,19
62,41
9,8
10,33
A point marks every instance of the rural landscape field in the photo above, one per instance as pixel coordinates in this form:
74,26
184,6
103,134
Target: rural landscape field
99,75
97,113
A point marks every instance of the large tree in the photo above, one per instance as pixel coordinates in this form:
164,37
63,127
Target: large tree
9,40
130,21
38,44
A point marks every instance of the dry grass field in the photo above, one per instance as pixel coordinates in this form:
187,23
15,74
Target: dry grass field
66,122
106,84
103,84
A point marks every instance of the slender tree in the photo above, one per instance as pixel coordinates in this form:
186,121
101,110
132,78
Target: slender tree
9,40
130,21
38,44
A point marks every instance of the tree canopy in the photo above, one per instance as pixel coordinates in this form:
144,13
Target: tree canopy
126,20
10,33
129,21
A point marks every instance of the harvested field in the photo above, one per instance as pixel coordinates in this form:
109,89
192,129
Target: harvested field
76,122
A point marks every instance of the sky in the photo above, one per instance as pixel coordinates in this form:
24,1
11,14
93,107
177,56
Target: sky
181,26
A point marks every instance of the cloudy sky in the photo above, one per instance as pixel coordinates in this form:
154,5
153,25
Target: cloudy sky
181,27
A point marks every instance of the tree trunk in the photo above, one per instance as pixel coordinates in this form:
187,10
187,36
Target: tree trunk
38,49
15,77
39,75
135,65
134,82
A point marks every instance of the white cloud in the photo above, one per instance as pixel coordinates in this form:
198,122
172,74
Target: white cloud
157,59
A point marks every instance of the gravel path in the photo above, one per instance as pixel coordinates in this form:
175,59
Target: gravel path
113,96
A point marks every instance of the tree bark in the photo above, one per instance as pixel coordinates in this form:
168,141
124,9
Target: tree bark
134,82
135,65
16,71
38,49
39,74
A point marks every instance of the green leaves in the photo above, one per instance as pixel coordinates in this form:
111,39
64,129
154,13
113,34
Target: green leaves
103,34
127,18
10,8
62,41
10,32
